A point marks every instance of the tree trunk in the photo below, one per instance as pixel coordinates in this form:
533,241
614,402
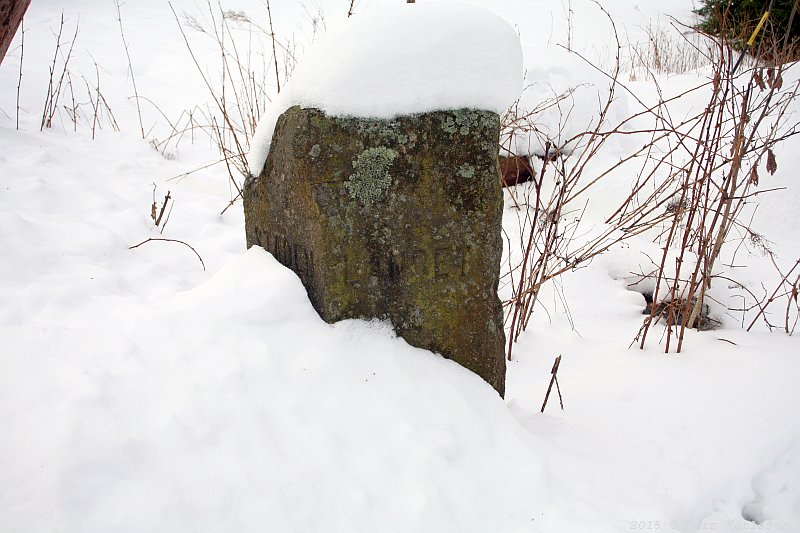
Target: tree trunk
11,13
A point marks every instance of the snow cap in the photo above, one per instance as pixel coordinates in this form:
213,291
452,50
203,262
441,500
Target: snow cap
400,60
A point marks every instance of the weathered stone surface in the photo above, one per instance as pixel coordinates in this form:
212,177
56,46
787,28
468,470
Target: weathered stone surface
395,219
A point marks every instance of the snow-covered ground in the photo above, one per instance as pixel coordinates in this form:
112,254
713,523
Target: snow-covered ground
144,390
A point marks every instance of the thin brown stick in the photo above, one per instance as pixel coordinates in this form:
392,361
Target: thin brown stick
792,298
169,214
96,103
54,88
167,198
762,309
553,379
151,239
274,48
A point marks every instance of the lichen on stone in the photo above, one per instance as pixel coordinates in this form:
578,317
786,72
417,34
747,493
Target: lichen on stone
488,146
382,129
466,171
466,121
371,178
449,125
461,121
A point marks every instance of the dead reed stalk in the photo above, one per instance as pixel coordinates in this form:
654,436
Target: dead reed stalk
130,68
55,86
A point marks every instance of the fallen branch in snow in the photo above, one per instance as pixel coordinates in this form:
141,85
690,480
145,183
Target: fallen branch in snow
169,240
554,379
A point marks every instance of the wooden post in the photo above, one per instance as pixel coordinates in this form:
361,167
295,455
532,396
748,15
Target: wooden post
11,13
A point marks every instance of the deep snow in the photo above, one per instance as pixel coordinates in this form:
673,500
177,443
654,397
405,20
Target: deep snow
139,392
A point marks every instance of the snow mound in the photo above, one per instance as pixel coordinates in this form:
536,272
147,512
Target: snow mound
402,60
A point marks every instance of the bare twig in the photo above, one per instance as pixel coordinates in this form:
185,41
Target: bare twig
274,47
54,87
157,217
554,379
151,239
792,293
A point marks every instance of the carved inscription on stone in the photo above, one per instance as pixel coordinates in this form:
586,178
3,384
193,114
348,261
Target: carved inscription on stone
289,253
447,263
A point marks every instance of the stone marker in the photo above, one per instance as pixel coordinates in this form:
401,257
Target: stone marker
393,219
